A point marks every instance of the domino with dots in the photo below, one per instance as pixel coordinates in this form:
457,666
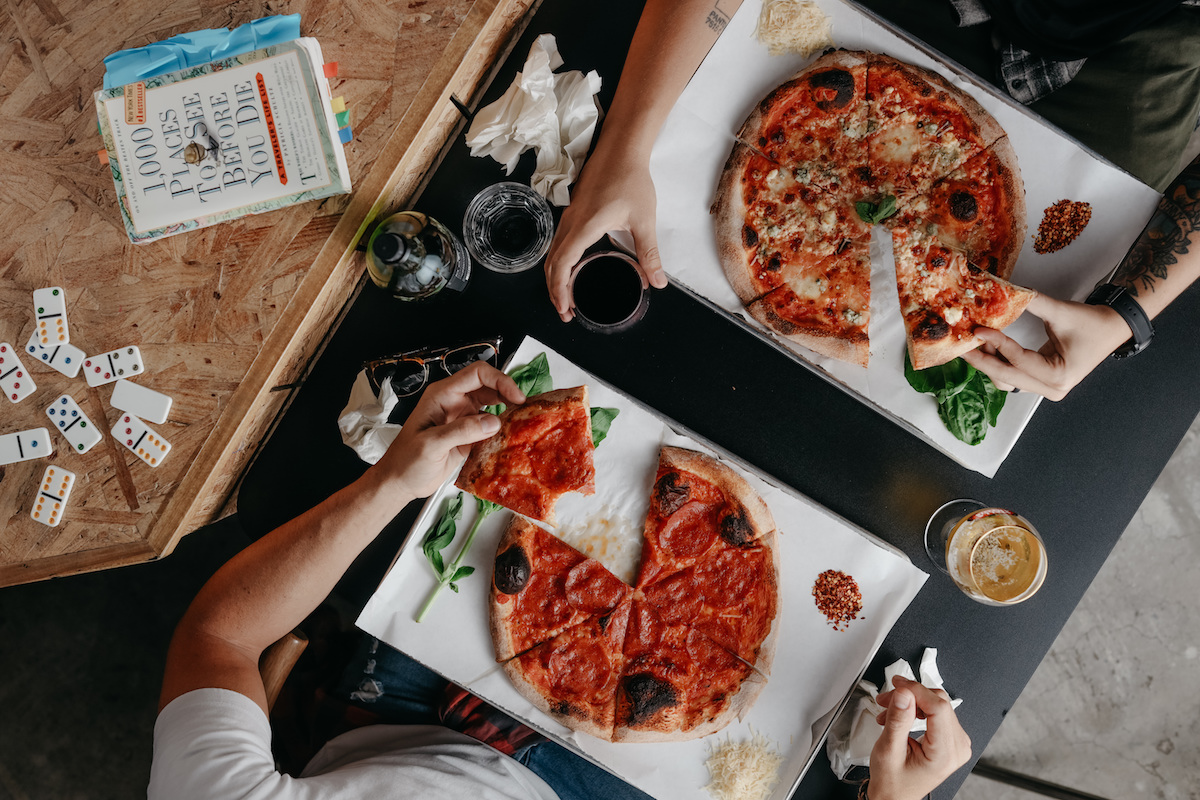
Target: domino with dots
50,310
24,445
66,358
140,401
73,424
52,495
15,380
125,362
140,440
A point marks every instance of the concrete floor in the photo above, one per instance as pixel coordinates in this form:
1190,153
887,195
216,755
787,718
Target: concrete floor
1111,711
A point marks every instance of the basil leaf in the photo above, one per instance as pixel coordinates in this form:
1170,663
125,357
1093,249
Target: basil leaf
968,401
485,507
461,573
534,377
601,421
866,211
441,533
887,208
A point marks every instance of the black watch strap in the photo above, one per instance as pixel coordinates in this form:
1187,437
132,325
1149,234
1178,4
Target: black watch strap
1118,299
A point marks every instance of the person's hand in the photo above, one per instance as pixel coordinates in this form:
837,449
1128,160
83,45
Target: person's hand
903,768
614,192
1081,336
442,428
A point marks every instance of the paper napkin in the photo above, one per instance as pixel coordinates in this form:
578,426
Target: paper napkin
554,114
363,422
855,732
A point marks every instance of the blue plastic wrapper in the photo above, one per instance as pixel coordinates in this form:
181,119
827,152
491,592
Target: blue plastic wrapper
197,48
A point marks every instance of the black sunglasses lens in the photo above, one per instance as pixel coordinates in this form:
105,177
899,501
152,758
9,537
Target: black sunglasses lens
463,357
408,378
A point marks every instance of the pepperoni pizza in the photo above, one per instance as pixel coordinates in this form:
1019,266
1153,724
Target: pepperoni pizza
677,656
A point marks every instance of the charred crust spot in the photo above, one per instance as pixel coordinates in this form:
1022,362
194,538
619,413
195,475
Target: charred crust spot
647,696
937,261
670,494
512,570
773,263
749,236
603,622
562,708
736,530
963,206
777,137
932,328
762,141
840,81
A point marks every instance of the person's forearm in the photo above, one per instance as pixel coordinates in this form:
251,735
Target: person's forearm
671,40
1165,259
272,585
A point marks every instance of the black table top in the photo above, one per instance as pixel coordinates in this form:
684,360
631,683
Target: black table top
1079,472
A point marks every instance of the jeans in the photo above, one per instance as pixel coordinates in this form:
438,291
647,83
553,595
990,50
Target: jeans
385,681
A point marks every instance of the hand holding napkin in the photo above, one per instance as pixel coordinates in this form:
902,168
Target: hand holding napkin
855,732
553,114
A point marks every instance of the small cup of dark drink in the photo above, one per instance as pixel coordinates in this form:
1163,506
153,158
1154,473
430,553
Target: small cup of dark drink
508,227
609,292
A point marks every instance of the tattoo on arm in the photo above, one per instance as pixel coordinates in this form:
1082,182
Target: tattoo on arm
1167,235
717,19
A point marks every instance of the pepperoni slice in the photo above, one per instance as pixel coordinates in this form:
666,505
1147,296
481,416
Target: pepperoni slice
556,460
580,669
690,531
676,598
729,578
643,632
592,588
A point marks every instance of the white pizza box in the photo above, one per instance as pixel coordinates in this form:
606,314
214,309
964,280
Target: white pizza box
698,136
815,667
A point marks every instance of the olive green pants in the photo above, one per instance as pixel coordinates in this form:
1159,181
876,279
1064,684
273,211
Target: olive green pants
1135,103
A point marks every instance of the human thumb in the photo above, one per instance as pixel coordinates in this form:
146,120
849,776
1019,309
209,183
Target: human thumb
897,723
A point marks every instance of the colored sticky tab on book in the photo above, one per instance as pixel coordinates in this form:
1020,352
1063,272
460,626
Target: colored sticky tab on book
103,156
345,134
338,104
343,119
331,69
197,48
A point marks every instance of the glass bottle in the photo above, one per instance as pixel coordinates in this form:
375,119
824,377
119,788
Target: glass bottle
412,255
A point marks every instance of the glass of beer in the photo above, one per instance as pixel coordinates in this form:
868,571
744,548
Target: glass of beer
993,555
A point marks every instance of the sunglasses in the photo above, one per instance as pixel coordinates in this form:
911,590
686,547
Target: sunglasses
409,372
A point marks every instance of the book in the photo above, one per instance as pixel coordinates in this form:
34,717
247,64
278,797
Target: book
241,135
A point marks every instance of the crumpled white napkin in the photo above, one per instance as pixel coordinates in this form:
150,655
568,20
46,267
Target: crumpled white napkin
854,733
553,114
363,422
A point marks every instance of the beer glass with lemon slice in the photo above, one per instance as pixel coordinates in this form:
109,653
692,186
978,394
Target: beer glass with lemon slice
993,555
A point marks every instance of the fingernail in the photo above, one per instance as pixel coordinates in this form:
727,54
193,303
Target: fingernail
901,700
490,423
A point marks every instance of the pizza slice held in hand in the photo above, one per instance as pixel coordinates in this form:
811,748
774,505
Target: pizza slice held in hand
542,451
944,297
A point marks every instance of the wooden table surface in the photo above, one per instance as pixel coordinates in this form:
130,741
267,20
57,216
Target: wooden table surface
228,318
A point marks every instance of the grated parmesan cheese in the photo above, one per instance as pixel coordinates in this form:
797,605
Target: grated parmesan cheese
793,26
746,770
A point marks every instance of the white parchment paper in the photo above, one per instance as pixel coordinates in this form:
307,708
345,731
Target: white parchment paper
698,136
815,666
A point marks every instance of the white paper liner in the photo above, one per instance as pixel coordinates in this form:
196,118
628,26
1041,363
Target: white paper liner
815,667
698,136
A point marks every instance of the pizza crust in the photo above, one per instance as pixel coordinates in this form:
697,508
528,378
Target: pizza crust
1012,190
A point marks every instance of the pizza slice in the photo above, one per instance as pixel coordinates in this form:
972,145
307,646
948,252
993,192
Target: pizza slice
573,677
698,505
542,586
978,208
815,124
822,304
542,451
677,683
922,128
944,297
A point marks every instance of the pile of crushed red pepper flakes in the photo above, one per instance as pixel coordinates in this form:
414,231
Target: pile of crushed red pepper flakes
837,597
1061,224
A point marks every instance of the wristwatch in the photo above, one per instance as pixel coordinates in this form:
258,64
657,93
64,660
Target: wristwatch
1118,299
